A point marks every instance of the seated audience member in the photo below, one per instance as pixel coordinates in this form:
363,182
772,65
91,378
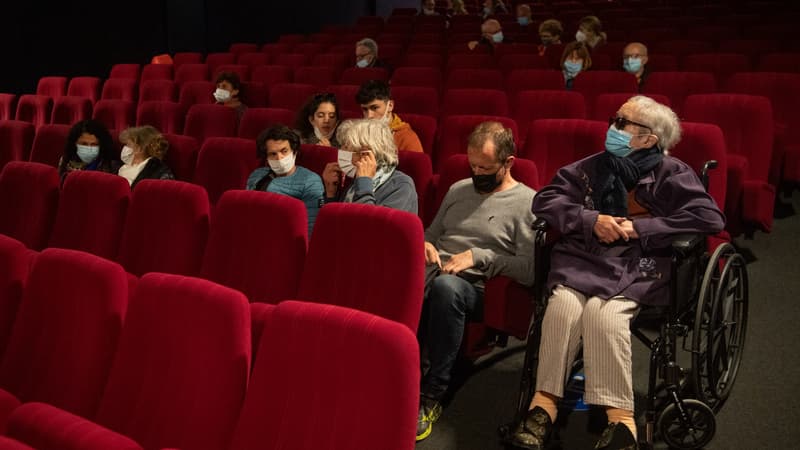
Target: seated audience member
590,31
634,60
483,228
493,7
428,8
375,98
456,8
549,33
227,93
491,36
143,155
369,157
524,14
277,148
89,147
367,55
574,60
317,120
617,212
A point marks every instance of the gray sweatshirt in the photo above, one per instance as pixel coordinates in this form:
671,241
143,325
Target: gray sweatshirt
497,227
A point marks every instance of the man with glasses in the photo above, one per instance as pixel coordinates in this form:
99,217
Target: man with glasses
634,61
616,212
483,229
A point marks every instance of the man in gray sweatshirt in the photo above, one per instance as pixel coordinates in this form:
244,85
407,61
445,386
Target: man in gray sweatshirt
483,228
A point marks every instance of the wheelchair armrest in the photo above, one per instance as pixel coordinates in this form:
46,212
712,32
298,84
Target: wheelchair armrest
686,244
540,224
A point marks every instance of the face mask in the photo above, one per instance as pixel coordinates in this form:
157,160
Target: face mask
573,68
497,37
126,155
346,163
221,95
580,36
282,166
485,184
487,10
618,142
632,65
321,136
386,115
523,21
362,63
87,153
546,41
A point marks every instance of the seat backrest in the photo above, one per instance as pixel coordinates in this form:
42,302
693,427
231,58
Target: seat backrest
68,109
206,121
782,89
238,48
454,134
469,61
224,164
554,143
166,116
607,105
166,228
256,120
14,267
88,87
316,157
52,86
161,90
416,100
196,93
491,102
182,155
357,75
180,372
595,82
479,78
115,114
216,59
125,70
239,69
319,76
272,74
290,95
191,72
181,58
700,143
157,72
49,143
28,200
779,62
425,127
419,167
16,140
346,96
119,89
34,109
678,85
333,59
91,213
534,79
417,76
257,244
546,104
722,65
292,59
252,59
399,264
66,331
376,365
8,106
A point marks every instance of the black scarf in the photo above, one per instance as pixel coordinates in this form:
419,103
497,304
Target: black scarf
616,176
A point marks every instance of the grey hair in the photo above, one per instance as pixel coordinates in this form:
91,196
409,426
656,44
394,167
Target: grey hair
662,121
370,133
370,44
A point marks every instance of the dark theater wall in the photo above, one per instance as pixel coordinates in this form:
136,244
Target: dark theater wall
41,38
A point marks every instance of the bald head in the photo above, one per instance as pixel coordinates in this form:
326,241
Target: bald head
491,26
634,49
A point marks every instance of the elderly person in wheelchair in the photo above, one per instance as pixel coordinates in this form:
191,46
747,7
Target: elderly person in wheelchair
616,213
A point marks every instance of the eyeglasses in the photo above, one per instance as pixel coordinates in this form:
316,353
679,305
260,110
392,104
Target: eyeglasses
620,123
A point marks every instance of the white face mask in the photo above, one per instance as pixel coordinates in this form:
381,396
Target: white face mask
362,63
320,135
221,95
282,166
580,36
346,163
87,153
126,155
387,115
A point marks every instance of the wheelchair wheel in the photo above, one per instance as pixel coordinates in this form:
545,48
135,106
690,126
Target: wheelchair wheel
719,327
693,433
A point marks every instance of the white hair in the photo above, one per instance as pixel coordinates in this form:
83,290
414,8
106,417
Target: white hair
371,45
662,120
369,133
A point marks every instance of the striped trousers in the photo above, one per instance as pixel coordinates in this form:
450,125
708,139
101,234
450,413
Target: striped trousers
604,326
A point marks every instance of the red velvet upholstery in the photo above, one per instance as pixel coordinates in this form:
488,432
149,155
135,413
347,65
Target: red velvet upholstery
254,94
418,166
419,59
554,143
272,74
747,125
469,61
595,82
166,228
87,87
34,109
546,104
16,139
678,85
196,92
337,60
779,62
343,268
274,49
291,59
182,155
370,390
252,59
66,331
28,199
125,70
477,78
8,106
257,244
69,109
425,127
223,164
682,47
534,79
455,131
181,58
260,315
417,76
256,120
206,121
14,264
345,96
722,65
416,100
510,62
316,157
191,72
167,117
319,76
607,105
474,101
49,143
52,86
119,89
11,444
239,69
216,59
115,114
158,71
291,96
161,90
357,75
91,213
237,48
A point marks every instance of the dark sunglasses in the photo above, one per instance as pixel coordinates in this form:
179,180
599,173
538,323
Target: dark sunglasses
621,122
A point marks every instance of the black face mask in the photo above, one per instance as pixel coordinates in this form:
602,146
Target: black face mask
485,184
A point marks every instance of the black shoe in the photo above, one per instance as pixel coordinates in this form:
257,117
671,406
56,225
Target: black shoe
429,412
617,436
533,432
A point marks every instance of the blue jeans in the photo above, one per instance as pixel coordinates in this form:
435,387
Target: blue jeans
449,302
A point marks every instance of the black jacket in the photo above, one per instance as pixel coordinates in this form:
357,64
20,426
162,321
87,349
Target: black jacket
155,169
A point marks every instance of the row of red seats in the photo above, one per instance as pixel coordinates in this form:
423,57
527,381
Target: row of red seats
95,359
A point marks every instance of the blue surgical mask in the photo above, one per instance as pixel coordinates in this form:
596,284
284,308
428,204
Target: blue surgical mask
497,37
632,65
87,153
362,63
618,142
524,21
573,68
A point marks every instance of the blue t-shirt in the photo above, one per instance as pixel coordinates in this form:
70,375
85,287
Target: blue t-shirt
303,184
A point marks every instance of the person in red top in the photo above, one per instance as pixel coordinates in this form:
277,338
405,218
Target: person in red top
376,102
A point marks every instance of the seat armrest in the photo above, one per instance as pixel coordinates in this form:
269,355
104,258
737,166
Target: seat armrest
540,224
685,244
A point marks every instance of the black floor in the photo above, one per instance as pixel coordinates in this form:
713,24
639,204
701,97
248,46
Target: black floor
762,412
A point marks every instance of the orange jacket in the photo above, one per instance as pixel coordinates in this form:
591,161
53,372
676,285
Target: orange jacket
404,137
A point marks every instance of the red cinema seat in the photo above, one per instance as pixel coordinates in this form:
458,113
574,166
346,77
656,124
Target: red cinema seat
16,139
682,47
510,62
416,100
182,155
115,114
419,167
595,82
337,60
174,243
216,59
159,90
420,59
252,60
241,70
554,143
607,105
346,96
119,89
779,62
271,75
290,95
316,157
256,120
224,164
191,72
417,76
34,109
490,102
454,134
14,267
275,49
248,230
88,87
125,70
319,76
546,104
28,199
400,264
49,143
52,86
205,121
679,85
722,65
253,94
425,127
8,106
292,59
237,48
534,79
157,72
357,75
462,78
181,58
68,109
196,93
167,117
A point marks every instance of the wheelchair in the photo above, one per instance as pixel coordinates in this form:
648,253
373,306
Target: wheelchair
697,349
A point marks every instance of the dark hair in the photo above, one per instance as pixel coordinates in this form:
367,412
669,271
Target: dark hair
277,132
373,90
502,137
233,79
92,127
310,108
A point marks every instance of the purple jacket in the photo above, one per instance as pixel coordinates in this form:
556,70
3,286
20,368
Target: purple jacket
640,268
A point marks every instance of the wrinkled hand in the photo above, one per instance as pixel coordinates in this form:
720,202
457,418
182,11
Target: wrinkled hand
324,141
331,178
459,262
608,229
472,44
627,227
366,166
432,255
